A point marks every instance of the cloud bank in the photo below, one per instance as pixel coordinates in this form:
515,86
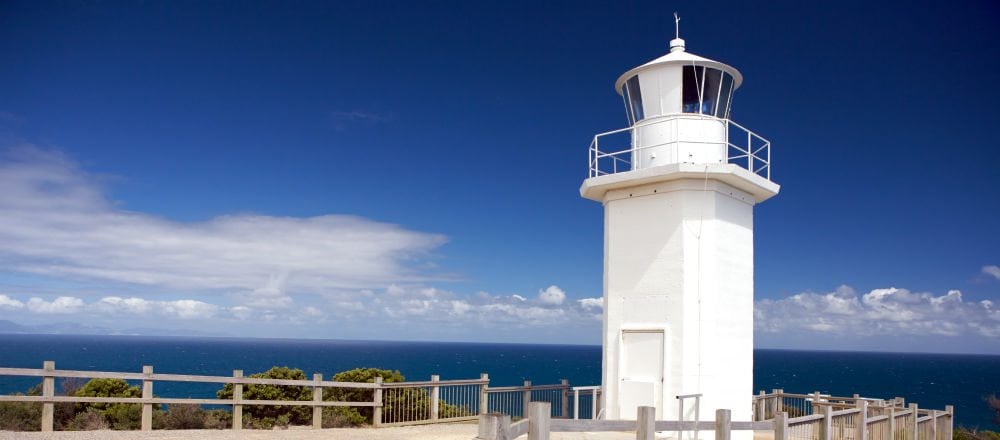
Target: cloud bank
882,312
56,221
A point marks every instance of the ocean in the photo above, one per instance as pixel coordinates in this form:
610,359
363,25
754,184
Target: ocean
930,380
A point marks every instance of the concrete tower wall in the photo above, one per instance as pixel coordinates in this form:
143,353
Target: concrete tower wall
682,275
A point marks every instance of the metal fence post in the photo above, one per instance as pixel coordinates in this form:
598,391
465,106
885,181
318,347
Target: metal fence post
435,396
576,404
377,410
526,399
484,396
147,393
645,423
539,420
48,390
723,423
237,398
317,398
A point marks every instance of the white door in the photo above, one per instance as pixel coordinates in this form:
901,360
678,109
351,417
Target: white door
641,372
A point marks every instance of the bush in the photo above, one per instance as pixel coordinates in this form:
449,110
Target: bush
365,375
267,417
181,417
123,416
20,416
89,420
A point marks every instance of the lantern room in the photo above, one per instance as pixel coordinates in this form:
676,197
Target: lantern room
678,104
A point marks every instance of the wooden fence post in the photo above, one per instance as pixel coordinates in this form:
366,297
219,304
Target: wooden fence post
48,390
494,426
645,423
950,429
781,426
934,429
758,408
317,397
826,430
539,420
892,423
862,419
377,410
526,398
237,398
723,424
565,398
815,405
781,400
435,396
914,424
484,396
147,393
772,403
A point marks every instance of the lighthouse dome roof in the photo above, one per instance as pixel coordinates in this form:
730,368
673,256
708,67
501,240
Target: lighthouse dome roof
679,56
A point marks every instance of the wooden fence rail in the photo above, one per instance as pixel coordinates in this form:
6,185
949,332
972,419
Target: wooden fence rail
394,403
848,424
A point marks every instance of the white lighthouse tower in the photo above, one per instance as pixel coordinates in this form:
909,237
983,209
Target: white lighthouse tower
678,188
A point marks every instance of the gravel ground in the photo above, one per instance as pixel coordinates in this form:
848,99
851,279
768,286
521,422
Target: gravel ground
430,432
457,431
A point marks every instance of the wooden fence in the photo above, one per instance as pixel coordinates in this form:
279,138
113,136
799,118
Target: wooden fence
845,424
392,403
539,424
823,417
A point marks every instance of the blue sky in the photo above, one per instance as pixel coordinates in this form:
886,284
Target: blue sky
306,169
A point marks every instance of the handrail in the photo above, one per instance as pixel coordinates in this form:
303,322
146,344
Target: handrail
753,149
469,396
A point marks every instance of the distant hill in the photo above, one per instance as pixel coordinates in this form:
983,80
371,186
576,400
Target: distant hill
10,327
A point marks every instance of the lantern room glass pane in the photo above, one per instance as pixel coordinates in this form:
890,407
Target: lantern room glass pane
710,92
634,97
725,94
692,88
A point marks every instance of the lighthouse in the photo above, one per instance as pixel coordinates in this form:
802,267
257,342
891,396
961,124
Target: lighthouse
678,186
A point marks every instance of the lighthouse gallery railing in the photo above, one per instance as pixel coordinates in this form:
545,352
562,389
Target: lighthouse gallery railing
743,147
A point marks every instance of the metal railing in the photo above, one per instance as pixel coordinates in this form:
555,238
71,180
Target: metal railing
586,401
514,400
743,147
392,403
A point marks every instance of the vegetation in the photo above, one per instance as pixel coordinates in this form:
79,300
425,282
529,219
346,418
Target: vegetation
267,417
963,433
20,416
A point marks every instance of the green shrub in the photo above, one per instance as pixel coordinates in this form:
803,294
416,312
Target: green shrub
20,416
266,417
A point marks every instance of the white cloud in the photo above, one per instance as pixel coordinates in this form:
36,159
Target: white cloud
552,295
591,303
888,312
993,271
517,297
60,305
112,304
56,221
9,303
189,309
182,308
